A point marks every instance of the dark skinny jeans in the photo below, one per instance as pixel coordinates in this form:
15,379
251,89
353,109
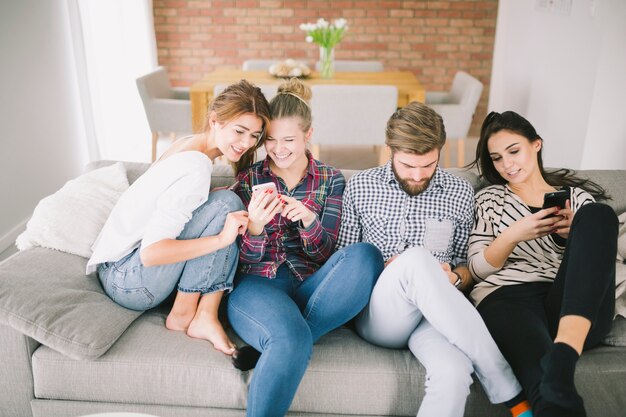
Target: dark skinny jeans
523,319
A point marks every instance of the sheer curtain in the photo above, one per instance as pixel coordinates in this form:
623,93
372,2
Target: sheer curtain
114,44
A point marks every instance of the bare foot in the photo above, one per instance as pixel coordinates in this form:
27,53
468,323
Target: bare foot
210,328
178,322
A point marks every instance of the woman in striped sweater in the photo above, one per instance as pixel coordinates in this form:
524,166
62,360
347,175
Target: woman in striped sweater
545,277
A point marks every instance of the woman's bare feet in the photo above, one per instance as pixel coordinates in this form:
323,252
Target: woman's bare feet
183,311
178,322
206,326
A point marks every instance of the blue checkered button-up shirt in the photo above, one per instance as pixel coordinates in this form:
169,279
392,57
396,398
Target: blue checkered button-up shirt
378,211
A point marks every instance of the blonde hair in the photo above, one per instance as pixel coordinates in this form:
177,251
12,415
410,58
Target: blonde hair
415,128
236,100
293,100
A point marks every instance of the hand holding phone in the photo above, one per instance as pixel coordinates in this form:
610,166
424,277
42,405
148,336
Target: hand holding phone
264,186
264,205
556,199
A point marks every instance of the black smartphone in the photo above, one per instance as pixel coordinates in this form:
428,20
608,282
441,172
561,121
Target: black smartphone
556,198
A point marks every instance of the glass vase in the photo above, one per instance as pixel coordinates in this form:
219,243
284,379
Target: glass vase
327,62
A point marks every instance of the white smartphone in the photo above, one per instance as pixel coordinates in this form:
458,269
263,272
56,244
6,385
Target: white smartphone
265,186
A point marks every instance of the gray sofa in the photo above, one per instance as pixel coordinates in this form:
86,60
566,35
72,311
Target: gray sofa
67,350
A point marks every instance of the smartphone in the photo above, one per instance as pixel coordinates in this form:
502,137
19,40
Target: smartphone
556,198
265,186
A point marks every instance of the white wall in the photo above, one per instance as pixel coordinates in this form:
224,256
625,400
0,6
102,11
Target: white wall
566,74
607,119
42,143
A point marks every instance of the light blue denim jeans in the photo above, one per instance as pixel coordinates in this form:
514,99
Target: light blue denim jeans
132,285
283,317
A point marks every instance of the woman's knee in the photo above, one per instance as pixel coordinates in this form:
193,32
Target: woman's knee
230,200
365,256
601,215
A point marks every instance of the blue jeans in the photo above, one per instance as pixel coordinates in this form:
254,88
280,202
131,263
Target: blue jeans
283,317
132,285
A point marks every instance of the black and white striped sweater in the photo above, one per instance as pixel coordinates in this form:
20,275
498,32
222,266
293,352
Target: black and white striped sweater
538,260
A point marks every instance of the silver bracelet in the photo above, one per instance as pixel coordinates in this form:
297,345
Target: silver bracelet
459,280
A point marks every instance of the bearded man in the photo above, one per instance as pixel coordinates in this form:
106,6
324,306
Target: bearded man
420,216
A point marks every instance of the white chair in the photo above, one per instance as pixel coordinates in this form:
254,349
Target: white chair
352,115
168,109
355,66
457,109
258,64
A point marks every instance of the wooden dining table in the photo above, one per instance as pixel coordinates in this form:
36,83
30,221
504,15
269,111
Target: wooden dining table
201,92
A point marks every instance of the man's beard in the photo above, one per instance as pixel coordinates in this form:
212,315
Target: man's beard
409,186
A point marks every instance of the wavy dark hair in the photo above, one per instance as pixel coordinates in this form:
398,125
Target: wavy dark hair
514,123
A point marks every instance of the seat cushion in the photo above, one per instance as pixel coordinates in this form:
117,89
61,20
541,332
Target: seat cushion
46,295
152,365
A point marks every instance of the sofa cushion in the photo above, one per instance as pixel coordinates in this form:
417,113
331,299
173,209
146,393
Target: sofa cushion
45,294
152,365
617,335
71,219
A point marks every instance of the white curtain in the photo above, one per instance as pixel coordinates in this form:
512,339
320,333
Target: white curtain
114,44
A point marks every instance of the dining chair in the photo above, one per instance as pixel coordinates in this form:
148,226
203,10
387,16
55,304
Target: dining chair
167,108
355,66
258,64
457,108
352,115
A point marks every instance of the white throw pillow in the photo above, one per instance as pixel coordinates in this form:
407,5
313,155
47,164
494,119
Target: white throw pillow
70,219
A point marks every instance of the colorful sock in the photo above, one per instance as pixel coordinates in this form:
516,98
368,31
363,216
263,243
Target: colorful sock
557,383
518,406
522,410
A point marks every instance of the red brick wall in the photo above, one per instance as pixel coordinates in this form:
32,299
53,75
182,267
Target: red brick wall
430,38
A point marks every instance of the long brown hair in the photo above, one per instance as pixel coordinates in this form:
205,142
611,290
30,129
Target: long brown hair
514,123
236,100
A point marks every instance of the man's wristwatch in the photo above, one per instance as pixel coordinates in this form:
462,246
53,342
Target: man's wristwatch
458,281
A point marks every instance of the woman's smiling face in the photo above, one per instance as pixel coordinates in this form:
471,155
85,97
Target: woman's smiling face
236,136
514,156
286,142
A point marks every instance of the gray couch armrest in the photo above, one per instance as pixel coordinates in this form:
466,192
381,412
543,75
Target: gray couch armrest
16,351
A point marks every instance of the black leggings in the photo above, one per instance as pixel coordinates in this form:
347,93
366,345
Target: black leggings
523,319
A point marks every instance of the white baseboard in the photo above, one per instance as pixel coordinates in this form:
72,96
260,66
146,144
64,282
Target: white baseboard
9,238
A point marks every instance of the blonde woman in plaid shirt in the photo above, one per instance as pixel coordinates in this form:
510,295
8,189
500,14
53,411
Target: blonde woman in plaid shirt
291,288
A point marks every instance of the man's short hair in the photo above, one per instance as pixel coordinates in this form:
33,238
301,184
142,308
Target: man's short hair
415,128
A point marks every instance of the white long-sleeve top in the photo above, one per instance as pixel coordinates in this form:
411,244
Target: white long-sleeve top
537,260
155,207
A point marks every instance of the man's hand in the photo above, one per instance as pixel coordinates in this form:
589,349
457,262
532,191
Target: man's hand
448,270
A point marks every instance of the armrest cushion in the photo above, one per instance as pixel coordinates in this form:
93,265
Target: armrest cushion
46,295
16,378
